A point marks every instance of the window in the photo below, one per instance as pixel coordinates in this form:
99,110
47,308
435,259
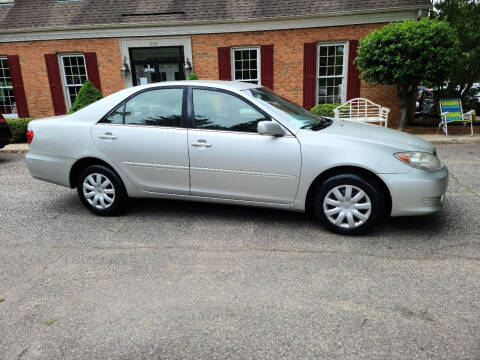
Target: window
161,107
221,111
331,73
246,65
74,75
116,116
7,99
294,114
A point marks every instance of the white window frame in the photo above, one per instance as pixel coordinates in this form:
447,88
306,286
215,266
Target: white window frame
64,77
344,68
232,57
12,115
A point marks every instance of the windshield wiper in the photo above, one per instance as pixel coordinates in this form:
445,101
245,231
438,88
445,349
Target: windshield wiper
322,124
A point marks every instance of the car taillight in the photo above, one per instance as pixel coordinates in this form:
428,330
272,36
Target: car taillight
2,119
29,136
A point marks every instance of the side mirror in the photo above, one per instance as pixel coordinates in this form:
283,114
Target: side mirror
270,128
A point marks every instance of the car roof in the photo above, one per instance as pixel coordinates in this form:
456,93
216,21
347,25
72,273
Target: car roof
228,85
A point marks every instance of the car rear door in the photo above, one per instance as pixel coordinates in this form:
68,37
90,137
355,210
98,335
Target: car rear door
229,159
146,138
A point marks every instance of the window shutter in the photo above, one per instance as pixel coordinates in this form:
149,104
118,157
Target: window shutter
266,69
353,78
92,69
224,64
18,88
56,90
309,75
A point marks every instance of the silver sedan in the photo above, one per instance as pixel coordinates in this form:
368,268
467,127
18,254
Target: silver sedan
235,143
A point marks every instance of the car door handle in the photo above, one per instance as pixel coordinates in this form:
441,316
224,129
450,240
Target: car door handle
107,136
201,143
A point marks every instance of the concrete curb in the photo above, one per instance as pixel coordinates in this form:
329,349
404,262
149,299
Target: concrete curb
15,149
444,140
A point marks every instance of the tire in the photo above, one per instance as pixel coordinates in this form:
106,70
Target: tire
107,199
331,199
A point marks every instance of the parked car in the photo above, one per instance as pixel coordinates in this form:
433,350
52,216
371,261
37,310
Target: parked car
5,134
235,143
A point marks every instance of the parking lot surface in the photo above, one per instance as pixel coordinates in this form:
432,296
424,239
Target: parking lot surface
184,280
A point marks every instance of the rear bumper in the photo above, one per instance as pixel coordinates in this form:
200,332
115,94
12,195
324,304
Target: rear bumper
49,168
417,192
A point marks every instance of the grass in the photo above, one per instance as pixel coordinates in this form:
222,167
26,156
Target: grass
50,322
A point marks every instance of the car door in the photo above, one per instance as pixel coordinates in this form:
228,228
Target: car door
144,137
229,159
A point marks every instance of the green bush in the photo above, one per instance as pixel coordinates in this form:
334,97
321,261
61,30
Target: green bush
18,128
192,77
324,109
87,95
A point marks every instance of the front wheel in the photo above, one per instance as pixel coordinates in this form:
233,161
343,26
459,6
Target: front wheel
101,190
348,204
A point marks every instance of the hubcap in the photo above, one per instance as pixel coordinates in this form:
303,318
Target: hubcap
347,206
99,191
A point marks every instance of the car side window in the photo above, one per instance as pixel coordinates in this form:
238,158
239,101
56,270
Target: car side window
221,111
115,117
159,107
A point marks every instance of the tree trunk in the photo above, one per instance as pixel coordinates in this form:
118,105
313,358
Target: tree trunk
405,94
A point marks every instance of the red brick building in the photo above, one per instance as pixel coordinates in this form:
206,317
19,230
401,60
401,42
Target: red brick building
302,49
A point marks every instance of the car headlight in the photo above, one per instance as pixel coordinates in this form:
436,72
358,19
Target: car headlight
420,160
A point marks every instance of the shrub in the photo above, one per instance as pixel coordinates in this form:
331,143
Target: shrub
192,77
18,128
324,109
407,54
87,95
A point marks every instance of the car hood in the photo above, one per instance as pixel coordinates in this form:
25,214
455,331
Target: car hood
378,135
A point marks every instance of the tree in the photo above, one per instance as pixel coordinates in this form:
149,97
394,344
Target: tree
407,54
464,17
87,95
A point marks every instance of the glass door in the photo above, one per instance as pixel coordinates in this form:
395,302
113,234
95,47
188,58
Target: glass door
151,65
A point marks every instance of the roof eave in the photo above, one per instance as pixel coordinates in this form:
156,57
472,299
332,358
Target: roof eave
226,21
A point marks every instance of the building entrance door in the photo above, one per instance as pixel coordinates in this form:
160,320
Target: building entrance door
157,64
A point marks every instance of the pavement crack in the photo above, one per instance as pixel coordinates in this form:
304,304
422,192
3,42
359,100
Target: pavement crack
24,351
439,257
466,187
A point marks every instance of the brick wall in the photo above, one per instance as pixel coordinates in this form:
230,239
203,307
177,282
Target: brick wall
288,62
288,59
34,70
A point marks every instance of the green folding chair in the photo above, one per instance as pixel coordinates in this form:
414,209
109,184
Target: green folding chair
451,111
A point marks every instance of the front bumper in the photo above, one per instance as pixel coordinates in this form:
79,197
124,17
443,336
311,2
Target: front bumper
418,192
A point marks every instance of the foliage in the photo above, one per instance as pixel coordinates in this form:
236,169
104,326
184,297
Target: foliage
324,109
464,17
406,54
192,77
87,95
18,128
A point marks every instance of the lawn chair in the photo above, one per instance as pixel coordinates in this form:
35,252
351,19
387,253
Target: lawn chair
451,111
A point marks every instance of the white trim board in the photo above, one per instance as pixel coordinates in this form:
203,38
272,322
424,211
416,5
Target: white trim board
126,44
137,30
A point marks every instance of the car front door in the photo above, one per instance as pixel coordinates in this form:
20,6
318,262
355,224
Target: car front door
230,160
144,137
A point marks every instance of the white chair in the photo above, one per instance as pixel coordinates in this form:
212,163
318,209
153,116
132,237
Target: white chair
362,110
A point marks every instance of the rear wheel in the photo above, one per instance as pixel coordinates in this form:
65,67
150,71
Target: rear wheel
348,204
101,190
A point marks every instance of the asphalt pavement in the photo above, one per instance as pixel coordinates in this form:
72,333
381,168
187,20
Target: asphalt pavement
185,280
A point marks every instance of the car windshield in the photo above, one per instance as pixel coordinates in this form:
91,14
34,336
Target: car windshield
296,115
